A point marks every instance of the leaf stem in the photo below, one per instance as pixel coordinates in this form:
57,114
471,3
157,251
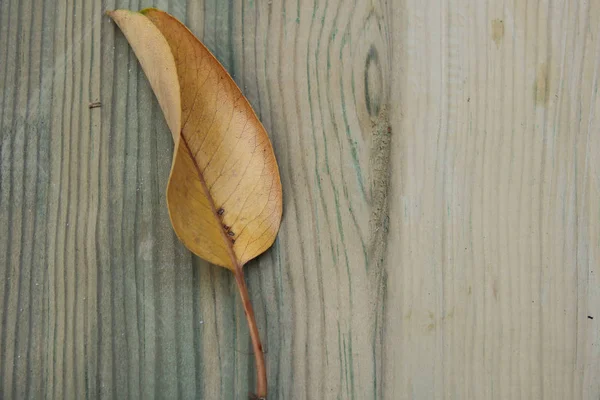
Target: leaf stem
261,371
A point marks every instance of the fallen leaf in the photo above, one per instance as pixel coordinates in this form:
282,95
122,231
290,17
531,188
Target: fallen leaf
224,192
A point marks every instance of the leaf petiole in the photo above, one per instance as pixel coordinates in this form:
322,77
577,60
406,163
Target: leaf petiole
261,371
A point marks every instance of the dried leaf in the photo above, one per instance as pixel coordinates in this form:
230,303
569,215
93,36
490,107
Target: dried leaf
224,192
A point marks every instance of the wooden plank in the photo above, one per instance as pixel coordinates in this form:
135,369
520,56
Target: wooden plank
441,174
496,197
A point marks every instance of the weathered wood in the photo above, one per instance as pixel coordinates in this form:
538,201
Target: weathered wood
440,164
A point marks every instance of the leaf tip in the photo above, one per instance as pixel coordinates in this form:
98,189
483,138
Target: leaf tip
147,10
116,14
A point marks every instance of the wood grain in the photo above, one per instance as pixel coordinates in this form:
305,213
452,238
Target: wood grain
440,164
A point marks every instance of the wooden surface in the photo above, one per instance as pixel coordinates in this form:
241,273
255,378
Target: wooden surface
440,164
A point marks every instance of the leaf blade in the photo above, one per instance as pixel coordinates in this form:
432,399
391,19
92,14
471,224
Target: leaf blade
224,193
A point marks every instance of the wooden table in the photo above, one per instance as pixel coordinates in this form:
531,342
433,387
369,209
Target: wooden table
440,163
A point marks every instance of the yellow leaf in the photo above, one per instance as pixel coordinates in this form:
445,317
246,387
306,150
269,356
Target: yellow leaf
224,191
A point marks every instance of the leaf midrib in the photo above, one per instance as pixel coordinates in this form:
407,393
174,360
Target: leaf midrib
234,260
